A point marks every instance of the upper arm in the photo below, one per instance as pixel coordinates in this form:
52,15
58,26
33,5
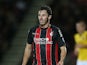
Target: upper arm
63,48
75,38
28,47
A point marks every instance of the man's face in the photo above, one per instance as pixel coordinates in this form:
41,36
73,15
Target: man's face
80,27
43,17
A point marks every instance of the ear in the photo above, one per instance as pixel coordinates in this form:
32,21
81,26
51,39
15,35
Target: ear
50,16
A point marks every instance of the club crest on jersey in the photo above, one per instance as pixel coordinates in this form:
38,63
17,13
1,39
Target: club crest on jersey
51,33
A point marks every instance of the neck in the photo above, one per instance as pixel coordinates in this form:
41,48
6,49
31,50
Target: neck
46,25
81,32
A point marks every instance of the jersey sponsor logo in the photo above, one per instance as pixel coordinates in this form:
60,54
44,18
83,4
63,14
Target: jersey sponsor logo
42,41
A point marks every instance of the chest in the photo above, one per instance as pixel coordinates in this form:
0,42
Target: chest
44,36
82,37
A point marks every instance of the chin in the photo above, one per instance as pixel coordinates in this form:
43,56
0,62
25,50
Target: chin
42,24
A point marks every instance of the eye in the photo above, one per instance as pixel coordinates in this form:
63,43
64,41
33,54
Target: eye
43,15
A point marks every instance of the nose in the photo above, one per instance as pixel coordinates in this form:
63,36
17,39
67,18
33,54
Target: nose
40,17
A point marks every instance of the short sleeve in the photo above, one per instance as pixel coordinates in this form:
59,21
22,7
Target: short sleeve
60,38
30,38
75,39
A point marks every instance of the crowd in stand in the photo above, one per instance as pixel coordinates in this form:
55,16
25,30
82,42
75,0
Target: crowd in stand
11,15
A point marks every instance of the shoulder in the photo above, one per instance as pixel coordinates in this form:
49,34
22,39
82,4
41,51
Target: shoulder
76,35
57,30
55,27
86,32
33,28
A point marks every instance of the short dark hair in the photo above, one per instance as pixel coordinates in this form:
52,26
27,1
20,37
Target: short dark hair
47,8
81,21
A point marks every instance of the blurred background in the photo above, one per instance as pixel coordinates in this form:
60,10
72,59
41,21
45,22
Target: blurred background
18,16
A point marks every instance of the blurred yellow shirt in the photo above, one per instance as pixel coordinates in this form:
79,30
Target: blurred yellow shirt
81,39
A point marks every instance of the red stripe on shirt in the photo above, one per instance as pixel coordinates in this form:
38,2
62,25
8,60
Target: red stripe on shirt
38,55
56,52
49,47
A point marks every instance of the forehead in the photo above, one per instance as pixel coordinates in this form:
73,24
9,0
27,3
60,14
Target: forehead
81,23
42,12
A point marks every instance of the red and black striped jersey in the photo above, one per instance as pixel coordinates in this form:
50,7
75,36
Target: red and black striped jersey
45,42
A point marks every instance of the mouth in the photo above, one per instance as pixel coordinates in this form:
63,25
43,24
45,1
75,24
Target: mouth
41,21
